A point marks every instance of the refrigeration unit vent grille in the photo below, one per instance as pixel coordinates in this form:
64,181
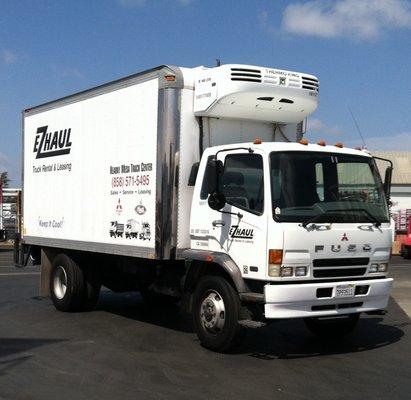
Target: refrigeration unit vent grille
310,83
246,75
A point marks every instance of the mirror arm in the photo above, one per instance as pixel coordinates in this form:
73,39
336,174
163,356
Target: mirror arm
239,215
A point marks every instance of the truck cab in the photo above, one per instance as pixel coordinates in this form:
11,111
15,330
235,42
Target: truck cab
306,225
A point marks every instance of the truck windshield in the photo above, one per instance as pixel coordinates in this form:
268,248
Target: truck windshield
334,187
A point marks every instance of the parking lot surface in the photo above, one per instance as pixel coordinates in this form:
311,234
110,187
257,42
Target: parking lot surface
122,350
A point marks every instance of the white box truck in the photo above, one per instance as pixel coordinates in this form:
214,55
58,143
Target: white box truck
197,184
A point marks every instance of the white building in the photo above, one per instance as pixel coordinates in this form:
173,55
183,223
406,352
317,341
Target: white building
401,178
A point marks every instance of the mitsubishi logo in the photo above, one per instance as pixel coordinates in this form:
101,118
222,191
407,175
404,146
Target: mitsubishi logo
344,238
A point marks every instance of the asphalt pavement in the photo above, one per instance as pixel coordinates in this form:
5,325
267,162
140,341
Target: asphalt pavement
122,350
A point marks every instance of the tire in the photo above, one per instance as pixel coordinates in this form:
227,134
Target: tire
71,289
216,310
92,288
332,328
406,253
66,284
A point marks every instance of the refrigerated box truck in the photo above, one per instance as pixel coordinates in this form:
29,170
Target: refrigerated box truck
239,216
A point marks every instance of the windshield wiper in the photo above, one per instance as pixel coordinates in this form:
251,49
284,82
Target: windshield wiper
370,217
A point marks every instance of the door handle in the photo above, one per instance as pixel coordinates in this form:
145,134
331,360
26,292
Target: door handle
218,222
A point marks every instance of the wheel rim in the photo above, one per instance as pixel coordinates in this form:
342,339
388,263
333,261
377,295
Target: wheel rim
60,282
212,312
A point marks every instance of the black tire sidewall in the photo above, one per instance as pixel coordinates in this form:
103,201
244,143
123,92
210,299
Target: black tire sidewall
74,297
226,339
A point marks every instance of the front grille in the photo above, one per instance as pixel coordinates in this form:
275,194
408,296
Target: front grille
335,273
339,267
246,75
340,262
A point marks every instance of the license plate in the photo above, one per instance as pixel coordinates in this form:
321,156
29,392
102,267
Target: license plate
345,291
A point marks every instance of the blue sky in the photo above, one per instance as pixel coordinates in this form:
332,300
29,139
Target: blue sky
360,50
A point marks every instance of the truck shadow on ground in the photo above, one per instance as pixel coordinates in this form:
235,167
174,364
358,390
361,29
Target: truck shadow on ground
15,351
284,339
131,305
290,340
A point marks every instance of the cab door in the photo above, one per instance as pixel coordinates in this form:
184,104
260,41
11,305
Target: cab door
240,228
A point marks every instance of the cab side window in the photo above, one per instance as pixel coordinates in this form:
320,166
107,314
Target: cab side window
242,182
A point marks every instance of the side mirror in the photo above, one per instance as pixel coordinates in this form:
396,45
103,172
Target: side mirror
387,183
214,170
216,201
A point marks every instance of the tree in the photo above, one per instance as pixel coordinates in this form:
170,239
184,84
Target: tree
4,178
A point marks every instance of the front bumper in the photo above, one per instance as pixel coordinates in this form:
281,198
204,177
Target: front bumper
300,300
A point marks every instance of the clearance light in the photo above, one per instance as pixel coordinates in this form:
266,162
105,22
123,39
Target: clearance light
257,141
304,142
339,145
273,270
170,78
321,143
275,258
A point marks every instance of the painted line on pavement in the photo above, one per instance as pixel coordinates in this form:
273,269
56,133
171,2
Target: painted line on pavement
18,273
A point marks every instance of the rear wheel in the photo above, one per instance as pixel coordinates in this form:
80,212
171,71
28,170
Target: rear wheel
406,253
332,328
71,288
66,284
216,310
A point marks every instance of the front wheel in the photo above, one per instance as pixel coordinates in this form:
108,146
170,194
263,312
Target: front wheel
332,328
216,310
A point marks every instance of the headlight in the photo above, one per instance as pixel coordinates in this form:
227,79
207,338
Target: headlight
374,268
378,267
286,271
300,271
383,267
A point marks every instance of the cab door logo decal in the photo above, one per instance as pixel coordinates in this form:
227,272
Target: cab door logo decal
241,233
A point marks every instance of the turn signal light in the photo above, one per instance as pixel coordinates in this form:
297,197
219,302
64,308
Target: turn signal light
275,256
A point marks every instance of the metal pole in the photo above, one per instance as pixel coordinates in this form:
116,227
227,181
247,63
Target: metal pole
1,204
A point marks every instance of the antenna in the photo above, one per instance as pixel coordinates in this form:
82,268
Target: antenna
358,128
218,62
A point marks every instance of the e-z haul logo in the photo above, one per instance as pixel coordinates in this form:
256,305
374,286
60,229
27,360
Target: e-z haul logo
50,144
241,233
